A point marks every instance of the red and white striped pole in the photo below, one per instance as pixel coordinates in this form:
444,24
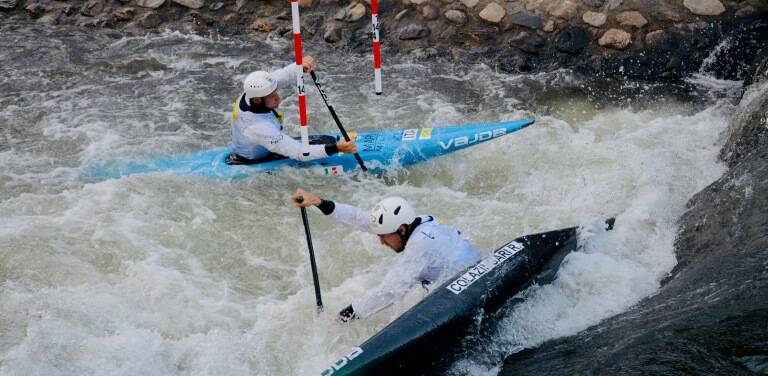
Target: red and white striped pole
300,78
376,47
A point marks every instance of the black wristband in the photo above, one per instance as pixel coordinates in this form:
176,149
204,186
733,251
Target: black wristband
331,149
347,313
326,206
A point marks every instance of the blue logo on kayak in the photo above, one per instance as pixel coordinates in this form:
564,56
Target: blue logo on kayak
477,137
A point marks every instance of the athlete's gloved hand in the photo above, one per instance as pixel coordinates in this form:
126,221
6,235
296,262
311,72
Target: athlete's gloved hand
347,314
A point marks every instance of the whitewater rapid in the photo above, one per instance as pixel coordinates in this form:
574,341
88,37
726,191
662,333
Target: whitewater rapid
157,274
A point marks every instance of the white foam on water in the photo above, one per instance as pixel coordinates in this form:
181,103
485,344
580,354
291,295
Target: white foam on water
159,274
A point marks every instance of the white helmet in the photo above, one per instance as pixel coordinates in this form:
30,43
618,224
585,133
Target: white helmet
258,84
389,214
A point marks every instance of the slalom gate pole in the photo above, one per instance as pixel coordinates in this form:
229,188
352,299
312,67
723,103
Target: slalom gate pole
312,264
376,47
304,129
335,117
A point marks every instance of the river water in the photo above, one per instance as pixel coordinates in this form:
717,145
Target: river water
157,274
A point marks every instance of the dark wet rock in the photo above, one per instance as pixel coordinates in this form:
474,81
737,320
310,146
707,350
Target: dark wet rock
8,4
671,12
449,32
413,31
593,3
613,4
312,23
124,14
528,42
92,8
456,16
425,53
70,9
430,12
516,64
151,20
216,6
285,15
749,131
529,20
35,10
663,40
49,18
201,19
710,317
332,32
385,6
571,40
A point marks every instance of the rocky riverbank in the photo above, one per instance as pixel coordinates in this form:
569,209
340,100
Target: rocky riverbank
640,39
711,315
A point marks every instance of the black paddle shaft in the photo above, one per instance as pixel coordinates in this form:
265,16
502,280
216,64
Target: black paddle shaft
335,117
312,263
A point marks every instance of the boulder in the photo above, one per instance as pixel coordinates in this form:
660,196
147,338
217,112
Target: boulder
527,42
631,18
571,40
92,8
193,4
35,10
413,31
595,19
526,19
430,12
332,32
124,14
456,16
154,4
564,10
151,20
615,38
470,3
493,12
8,4
705,7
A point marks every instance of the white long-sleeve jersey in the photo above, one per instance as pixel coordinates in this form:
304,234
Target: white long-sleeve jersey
433,253
255,135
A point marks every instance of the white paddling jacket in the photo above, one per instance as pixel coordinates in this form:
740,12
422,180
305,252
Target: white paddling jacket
433,253
257,134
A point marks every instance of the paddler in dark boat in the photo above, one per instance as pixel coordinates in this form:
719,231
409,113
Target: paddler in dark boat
427,252
257,125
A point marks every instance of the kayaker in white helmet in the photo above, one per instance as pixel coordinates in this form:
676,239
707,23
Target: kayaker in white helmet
257,125
428,252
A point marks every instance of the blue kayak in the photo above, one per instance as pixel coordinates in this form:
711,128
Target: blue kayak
379,149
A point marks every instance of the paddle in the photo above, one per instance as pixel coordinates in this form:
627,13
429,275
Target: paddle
312,264
335,117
